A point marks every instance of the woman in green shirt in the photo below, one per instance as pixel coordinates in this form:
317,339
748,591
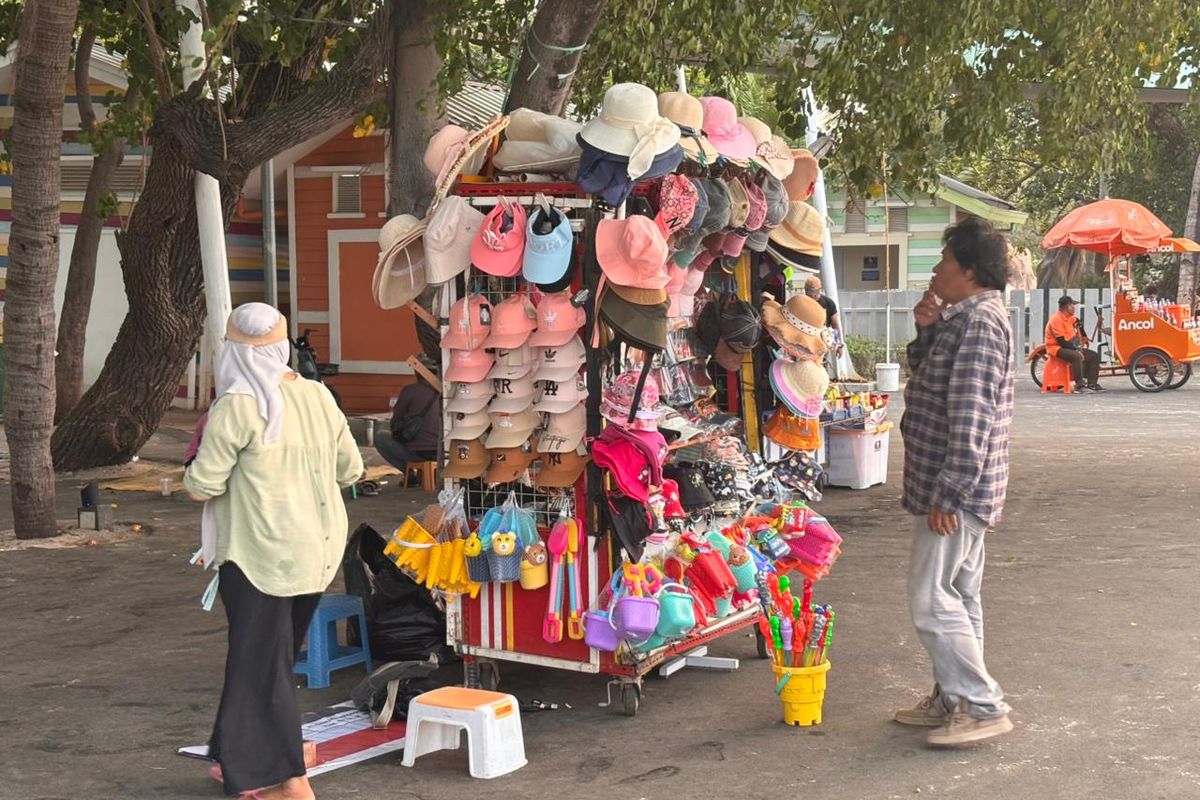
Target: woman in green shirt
275,454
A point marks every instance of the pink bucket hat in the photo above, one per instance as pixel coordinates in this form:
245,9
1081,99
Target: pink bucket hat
470,323
677,275
512,322
632,252
469,366
500,245
626,463
618,399
721,126
558,320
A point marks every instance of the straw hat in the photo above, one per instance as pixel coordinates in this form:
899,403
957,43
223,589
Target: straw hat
770,151
800,322
802,229
804,174
400,273
453,150
686,112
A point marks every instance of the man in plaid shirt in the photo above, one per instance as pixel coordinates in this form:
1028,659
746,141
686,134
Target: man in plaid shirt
958,406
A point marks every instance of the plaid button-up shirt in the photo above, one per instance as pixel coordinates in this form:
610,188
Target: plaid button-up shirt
958,405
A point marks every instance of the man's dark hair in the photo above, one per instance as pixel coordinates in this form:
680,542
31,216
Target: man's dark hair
1151,290
978,247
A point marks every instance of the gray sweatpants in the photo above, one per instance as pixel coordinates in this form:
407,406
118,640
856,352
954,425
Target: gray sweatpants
944,582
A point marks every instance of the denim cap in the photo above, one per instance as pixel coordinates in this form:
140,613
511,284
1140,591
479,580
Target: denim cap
547,256
777,209
716,218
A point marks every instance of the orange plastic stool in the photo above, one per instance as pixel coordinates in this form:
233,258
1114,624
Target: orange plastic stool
1057,376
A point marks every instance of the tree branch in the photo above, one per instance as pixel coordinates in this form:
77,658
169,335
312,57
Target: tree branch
83,69
158,55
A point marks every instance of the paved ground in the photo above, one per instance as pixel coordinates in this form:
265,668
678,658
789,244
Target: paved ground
108,664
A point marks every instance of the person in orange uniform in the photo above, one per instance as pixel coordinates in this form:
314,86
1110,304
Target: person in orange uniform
1065,340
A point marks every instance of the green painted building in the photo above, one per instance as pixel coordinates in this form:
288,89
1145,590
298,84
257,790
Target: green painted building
905,237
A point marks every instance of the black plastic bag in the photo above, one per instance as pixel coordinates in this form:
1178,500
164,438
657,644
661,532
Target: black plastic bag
404,622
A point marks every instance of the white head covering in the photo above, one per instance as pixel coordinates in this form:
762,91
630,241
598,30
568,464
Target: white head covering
255,360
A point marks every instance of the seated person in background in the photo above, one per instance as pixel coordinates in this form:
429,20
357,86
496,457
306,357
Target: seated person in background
416,428
1065,340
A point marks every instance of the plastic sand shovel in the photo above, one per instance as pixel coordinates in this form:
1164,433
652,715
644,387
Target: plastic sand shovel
574,618
552,627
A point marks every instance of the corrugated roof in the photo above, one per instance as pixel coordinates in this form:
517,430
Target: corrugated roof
476,105
971,191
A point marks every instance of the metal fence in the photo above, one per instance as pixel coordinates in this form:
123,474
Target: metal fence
867,313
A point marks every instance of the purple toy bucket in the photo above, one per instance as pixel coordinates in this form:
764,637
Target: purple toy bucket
635,617
598,632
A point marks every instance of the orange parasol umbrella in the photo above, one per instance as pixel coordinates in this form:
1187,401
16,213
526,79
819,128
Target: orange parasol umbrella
1177,244
1113,227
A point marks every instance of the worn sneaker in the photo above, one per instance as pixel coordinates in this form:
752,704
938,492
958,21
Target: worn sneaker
965,729
929,713
1095,387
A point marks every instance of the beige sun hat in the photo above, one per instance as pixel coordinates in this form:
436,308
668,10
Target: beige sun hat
400,273
687,113
804,174
771,152
630,126
447,239
801,322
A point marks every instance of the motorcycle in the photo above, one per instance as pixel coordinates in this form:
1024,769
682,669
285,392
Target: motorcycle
308,367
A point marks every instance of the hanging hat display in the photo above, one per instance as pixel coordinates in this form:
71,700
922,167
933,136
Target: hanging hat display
800,322
721,125
688,114
802,180
802,229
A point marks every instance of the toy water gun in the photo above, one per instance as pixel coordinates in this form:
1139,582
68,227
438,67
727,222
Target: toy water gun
575,612
785,631
777,640
552,627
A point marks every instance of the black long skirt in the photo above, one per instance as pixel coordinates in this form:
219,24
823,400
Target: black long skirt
256,738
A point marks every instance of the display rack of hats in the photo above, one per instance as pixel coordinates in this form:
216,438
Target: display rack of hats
684,188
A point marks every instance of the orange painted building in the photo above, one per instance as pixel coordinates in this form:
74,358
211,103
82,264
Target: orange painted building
336,206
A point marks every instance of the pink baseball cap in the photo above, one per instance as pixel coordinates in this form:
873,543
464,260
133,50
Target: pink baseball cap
735,240
632,252
513,320
470,323
731,138
677,198
677,276
560,396
512,395
500,244
687,293
561,363
469,366
558,320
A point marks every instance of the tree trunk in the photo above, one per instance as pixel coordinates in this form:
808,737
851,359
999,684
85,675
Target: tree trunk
81,274
412,106
1191,229
1062,268
44,51
553,47
160,262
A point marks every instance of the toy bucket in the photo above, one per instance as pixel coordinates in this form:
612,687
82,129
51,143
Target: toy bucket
635,617
676,612
744,574
801,691
478,569
719,542
534,576
598,632
504,569
653,643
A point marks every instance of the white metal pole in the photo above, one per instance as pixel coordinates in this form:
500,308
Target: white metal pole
210,219
828,275
681,78
271,265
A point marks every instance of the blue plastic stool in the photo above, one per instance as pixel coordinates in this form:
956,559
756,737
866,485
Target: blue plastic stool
324,653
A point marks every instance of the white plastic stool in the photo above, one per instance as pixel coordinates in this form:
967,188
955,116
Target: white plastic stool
492,721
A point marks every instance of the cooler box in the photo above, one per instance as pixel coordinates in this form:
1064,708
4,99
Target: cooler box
857,459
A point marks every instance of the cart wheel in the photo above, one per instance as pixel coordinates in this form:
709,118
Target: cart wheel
631,698
1037,367
1151,370
1183,373
760,644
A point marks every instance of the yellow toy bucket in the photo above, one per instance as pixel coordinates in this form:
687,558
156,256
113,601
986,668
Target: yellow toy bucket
801,690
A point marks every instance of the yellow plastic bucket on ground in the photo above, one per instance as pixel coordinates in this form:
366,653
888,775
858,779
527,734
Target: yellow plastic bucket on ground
801,690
